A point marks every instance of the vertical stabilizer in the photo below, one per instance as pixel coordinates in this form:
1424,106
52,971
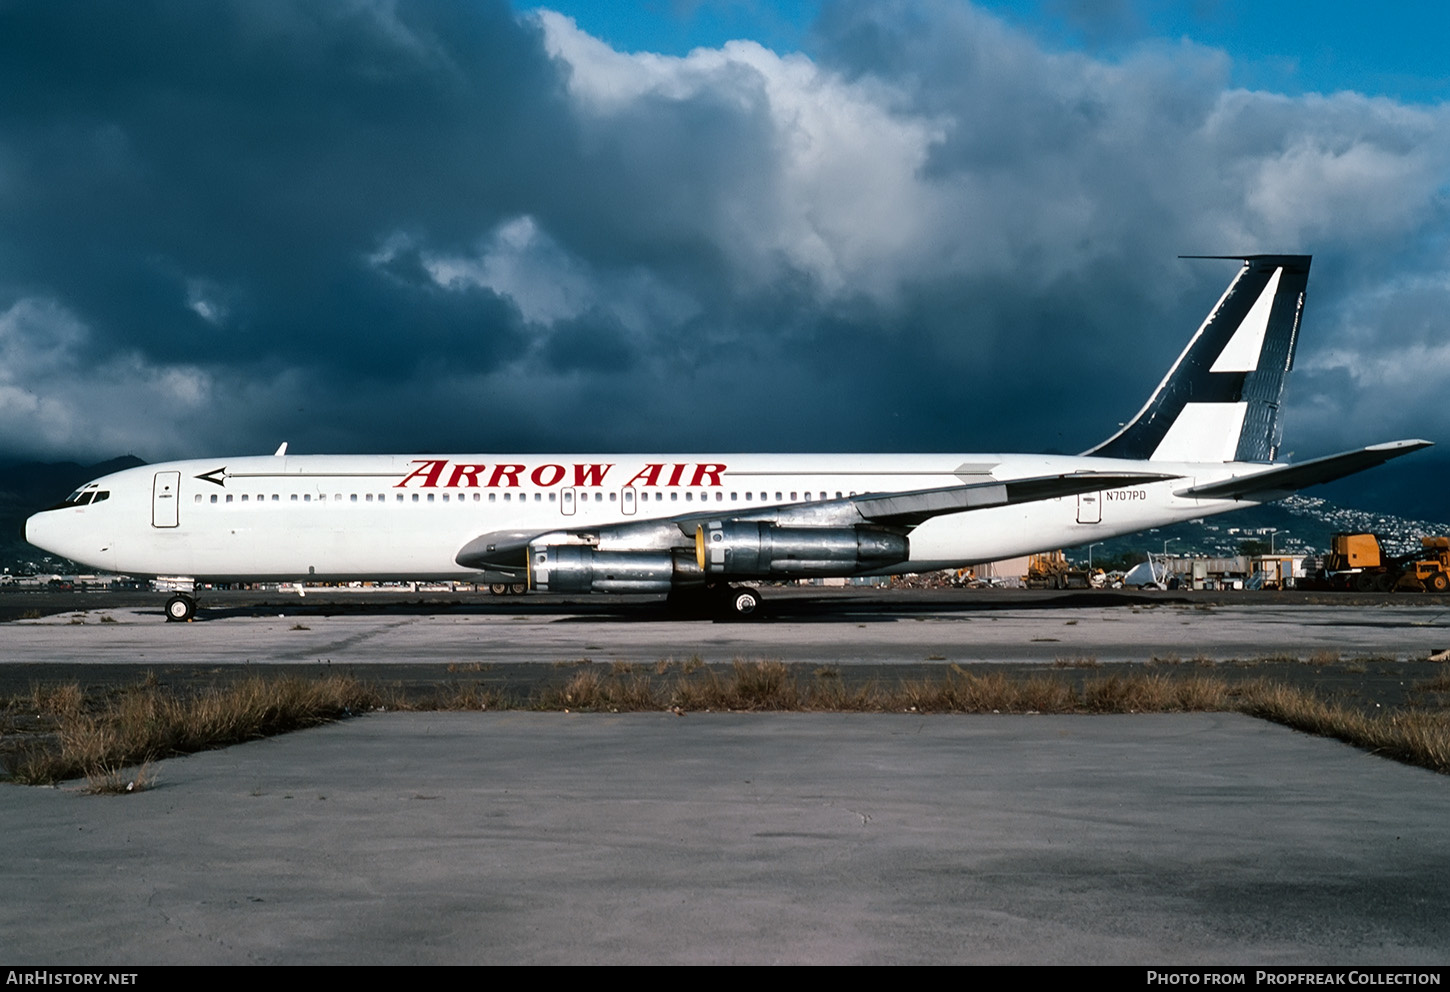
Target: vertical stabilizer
1220,401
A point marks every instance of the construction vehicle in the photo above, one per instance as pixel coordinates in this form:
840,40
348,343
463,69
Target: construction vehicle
1356,561
1051,570
1430,570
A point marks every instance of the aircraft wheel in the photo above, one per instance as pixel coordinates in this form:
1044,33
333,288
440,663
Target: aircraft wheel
499,588
518,588
742,603
180,609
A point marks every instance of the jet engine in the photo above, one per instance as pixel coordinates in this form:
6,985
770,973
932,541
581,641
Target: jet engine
583,568
751,549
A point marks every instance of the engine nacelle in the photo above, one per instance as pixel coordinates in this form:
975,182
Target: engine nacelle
749,549
582,568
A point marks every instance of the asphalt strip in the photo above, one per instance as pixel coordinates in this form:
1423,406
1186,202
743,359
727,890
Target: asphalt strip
518,837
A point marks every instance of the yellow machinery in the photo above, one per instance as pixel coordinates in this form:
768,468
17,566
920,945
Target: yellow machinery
1430,571
1051,570
1356,561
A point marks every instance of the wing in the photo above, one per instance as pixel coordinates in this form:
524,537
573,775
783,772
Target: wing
507,550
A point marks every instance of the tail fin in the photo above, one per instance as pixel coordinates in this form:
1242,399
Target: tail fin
1220,401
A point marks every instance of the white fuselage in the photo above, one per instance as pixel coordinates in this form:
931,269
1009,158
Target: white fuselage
405,517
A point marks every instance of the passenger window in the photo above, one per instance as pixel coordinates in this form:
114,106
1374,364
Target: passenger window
245,497
430,497
213,497
307,497
229,497
196,498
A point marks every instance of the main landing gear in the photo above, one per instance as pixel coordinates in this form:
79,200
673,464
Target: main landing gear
720,602
180,608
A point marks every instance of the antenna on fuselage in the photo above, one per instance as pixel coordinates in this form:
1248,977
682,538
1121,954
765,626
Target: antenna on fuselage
280,451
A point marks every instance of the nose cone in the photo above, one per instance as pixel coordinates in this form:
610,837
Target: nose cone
40,530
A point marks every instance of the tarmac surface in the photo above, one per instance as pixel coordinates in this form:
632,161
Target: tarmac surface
726,838
522,837
850,628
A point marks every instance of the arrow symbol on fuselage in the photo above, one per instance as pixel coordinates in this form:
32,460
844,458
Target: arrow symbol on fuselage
218,476
970,472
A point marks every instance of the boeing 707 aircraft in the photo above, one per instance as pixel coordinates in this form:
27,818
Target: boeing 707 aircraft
705,526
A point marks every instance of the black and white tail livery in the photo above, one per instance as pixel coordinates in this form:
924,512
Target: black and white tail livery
1220,401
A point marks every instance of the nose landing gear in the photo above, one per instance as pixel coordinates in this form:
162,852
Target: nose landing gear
180,608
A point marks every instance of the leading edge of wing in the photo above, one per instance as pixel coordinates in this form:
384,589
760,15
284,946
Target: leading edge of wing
911,508
1285,480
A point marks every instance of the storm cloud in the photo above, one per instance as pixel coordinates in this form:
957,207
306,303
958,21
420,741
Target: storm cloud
375,226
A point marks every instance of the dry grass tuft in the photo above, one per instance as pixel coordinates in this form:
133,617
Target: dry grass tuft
1415,737
114,781
145,722
58,700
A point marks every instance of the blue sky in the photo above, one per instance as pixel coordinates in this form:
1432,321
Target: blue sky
880,225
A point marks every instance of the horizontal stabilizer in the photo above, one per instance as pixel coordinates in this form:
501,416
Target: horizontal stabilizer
1277,483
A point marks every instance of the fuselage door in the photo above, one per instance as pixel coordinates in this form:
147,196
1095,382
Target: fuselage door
626,499
566,501
1089,508
165,495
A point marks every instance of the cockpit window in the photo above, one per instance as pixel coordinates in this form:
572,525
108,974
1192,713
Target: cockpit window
85,494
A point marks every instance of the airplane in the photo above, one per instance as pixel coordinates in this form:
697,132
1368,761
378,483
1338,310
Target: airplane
701,528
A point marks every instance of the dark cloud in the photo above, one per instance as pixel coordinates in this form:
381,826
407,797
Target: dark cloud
438,226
